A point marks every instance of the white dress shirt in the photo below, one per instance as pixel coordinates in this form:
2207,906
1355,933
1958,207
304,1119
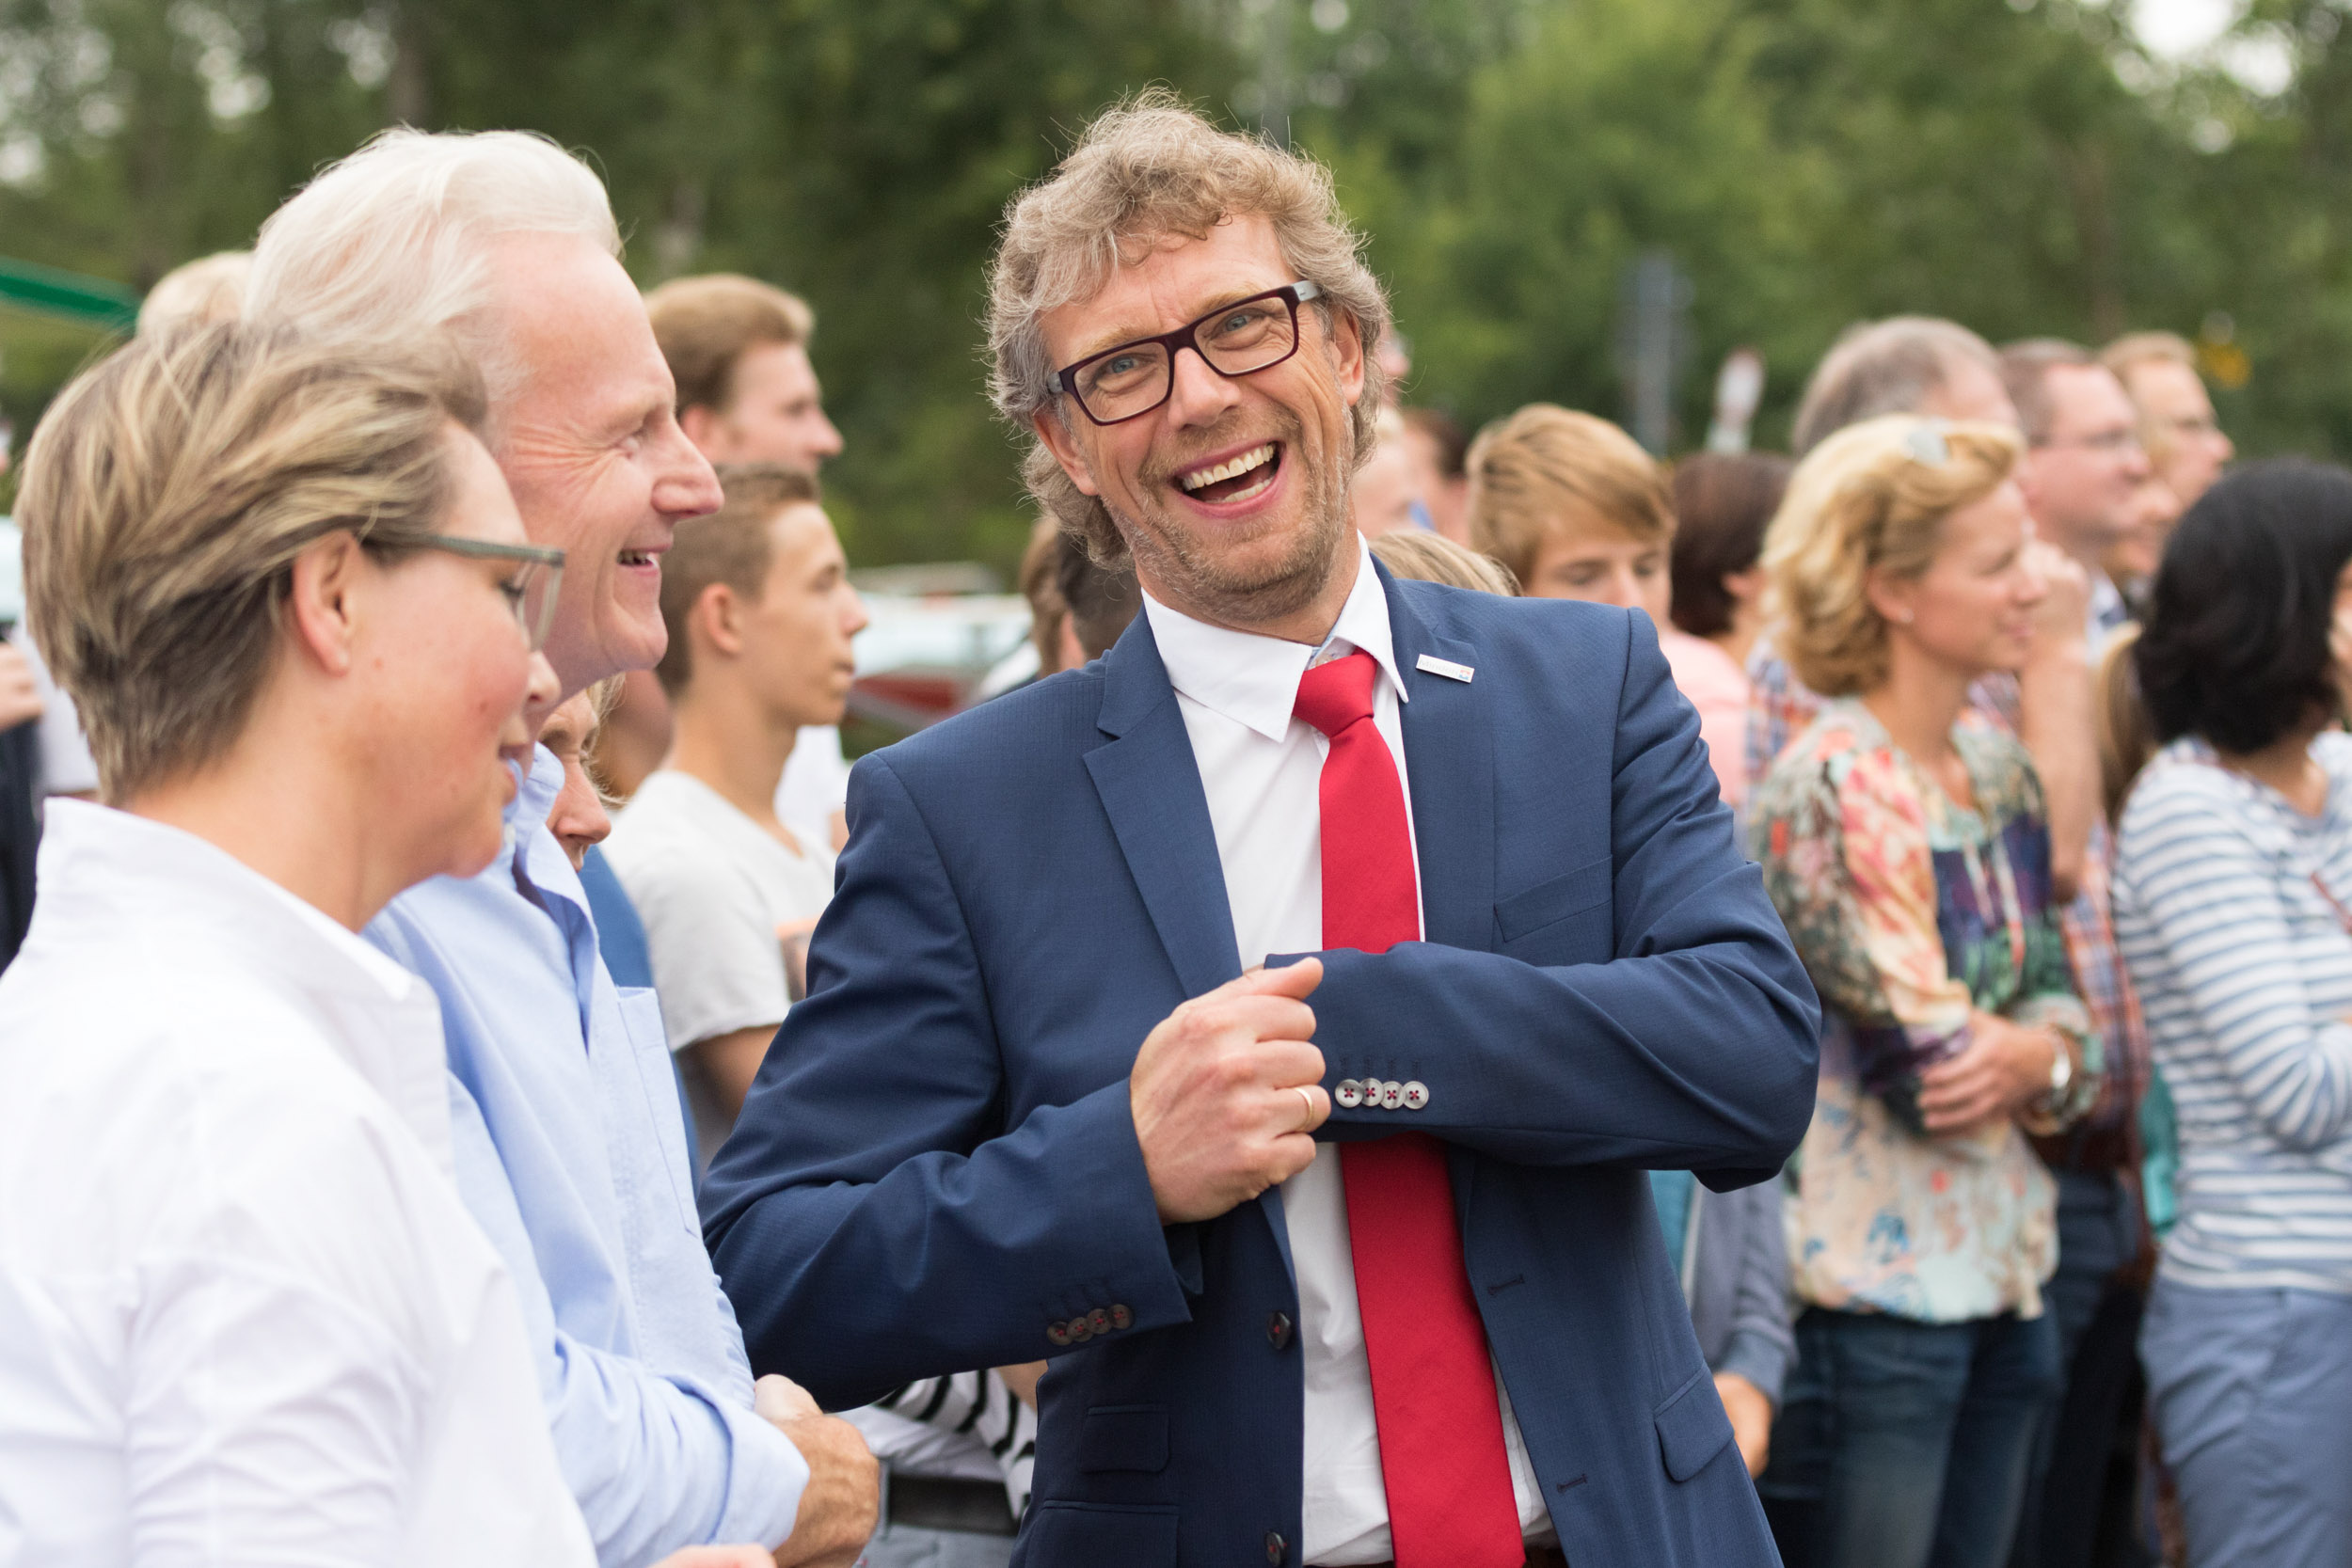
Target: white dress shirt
243,1315
1261,771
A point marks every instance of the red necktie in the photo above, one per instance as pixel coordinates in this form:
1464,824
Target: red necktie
1433,1387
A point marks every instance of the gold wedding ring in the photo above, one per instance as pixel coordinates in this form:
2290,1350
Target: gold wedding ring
1309,1101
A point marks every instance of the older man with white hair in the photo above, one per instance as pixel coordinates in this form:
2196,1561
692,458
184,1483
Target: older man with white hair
570,1144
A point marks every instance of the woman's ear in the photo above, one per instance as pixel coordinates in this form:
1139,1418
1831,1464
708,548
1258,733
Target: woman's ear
323,604
1891,596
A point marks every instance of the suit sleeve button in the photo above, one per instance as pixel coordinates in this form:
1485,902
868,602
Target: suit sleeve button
1099,1321
1081,1330
1347,1094
1416,1095
1058,1332
1391,1095
1276,1547
1277,1330
1121,1318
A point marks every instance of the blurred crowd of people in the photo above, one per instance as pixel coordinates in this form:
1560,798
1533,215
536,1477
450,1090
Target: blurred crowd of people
2046,1017
2025,703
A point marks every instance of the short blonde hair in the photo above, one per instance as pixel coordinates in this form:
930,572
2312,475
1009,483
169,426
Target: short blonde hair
1147,168
2134,349
1548,467
165,496
706,324
1873,496
1414,552
209,289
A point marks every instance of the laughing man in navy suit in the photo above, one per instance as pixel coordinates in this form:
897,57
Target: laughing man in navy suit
1349,1258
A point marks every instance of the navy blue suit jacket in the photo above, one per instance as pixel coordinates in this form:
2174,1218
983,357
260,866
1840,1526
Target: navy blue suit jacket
937,1167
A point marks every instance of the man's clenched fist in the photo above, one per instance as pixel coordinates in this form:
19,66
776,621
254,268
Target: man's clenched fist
844,1493
1226,1090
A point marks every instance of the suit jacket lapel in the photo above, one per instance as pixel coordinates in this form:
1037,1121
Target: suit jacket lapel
1449,764
1151,789
1150,785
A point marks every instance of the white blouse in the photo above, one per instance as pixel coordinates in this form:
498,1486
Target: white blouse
244,1316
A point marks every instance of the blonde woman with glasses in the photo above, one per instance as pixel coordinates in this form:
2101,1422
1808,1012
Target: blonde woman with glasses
244,1314
1906,845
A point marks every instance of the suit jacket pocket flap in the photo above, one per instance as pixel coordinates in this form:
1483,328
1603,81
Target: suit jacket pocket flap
1124,1437
1571,893
1692,1428
1060,1532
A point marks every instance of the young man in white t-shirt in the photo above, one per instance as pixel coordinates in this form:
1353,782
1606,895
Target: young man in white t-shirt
760,614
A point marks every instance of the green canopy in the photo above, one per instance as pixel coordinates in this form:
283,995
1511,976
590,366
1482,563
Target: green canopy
49,292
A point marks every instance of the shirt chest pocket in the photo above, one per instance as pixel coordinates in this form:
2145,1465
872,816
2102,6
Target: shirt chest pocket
1566,919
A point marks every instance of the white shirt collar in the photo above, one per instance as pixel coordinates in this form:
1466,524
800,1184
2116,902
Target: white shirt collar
114,869
1253,679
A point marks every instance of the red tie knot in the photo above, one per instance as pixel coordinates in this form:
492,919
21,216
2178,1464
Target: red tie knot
1335,695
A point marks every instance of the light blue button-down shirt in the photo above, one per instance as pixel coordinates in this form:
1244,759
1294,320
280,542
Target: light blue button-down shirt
571,1153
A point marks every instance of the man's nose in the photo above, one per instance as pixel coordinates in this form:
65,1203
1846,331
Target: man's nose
828,436
1200,395
684,482
589,823
544,690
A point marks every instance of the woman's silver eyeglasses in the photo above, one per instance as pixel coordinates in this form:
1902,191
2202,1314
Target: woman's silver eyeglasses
530,592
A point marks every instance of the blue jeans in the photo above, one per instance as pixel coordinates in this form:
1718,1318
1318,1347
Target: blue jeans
2252,1395
1903,1444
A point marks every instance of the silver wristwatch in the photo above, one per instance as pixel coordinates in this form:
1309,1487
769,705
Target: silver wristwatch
2061,1073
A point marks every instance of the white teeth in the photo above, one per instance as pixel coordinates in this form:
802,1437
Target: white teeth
636,558
1232,468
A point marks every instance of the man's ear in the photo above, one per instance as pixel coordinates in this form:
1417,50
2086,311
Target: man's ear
1347,352
1050,429
322,604
717,618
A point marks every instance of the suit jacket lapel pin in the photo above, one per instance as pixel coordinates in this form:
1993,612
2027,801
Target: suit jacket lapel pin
1445,666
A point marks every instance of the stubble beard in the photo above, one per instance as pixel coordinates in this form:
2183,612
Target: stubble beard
1168,552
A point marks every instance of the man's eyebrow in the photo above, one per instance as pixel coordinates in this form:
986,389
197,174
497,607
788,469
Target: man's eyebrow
1120,337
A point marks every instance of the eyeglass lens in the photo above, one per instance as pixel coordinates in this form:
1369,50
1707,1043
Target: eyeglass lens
534,592
1125,382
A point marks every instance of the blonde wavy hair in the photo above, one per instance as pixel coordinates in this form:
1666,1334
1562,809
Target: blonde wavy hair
1149,168
1873,496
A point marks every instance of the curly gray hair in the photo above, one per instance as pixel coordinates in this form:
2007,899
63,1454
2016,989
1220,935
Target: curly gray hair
1147,167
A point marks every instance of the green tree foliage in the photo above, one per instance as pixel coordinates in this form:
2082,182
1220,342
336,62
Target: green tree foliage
1812,163
2020,165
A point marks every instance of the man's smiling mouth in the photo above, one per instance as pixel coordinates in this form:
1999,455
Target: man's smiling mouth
1238,478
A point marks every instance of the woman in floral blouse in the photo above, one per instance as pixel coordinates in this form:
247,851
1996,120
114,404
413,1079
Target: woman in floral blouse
1907,847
